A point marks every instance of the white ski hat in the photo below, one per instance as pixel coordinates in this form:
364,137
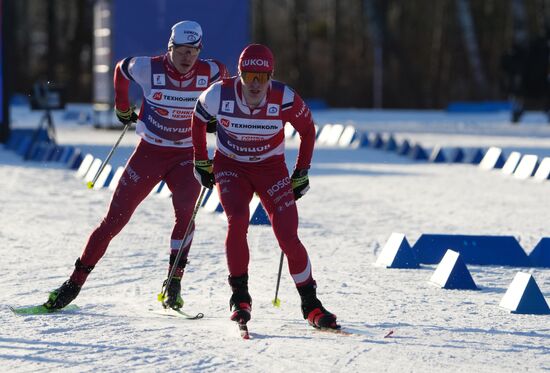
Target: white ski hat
186,33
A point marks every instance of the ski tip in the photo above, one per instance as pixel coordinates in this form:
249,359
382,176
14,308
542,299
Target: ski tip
390,333
40,310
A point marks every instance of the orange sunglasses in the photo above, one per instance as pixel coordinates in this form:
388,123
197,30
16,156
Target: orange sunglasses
248,77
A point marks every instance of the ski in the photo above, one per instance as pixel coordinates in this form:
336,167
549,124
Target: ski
243,330
338,330
40,310
177,313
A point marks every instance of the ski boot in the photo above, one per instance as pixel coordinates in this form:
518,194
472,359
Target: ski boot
69,290
313,311
173,297
240,303
62,296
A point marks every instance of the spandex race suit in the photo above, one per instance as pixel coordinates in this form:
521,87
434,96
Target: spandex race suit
164,151
249,158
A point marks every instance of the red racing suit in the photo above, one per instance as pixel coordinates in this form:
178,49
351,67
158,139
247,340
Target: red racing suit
249,158
164,152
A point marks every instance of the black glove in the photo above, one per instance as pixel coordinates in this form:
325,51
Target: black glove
211,125
128,116
300,183
204,173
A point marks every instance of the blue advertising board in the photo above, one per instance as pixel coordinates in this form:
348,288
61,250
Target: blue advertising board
142,27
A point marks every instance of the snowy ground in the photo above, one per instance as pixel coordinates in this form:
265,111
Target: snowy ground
358,198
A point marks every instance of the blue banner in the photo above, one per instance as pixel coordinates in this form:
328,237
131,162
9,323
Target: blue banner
142,27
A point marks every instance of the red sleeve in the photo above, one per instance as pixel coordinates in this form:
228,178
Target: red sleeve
222,73
198,135
122,85
299,116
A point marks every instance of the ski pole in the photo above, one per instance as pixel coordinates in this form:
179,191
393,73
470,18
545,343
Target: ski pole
92,183
277,302
161,296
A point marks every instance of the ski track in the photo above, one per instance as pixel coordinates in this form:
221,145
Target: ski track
358,198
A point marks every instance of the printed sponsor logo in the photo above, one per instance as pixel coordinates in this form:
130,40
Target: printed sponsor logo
225,174
159,79
251,138
249,149
255,62
157,96
272,109
202,81
134,176
254,159
225,122
302,110
278,186
254,126
228,106
161,111
180,99
287,193
185,163
164,128
182,113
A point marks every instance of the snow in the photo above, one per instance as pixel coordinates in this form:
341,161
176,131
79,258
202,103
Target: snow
358,198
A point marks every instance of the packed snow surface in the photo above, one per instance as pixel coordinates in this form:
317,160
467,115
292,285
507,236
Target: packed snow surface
358,197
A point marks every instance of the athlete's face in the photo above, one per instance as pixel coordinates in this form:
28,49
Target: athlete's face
183,57
255,87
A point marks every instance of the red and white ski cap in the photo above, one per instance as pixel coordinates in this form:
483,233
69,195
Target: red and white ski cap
186,33
256,58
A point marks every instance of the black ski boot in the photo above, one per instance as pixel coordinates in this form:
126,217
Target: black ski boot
240,303
313,311
173,297
69,290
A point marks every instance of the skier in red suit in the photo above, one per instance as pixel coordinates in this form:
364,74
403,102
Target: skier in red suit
251,111
171,84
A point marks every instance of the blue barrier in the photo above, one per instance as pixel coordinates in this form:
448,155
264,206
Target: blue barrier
456,155
75,159
474,156
482,250
397,253
376,141
524,296
404,148
452,273
258,216
390,144
540,256
479,107
437,155
417,153
362,140
208,193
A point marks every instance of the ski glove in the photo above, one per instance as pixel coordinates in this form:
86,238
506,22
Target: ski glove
300,183
211,125
204,173
127,116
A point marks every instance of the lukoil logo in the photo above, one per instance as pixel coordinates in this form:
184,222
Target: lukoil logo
157,96
225,122
255,62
